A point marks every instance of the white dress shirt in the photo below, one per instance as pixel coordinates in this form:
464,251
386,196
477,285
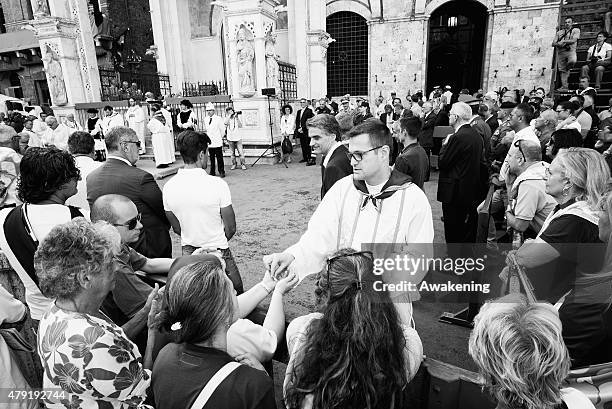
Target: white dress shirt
215,128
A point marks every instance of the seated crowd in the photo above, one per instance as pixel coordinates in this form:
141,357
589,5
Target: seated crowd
88,242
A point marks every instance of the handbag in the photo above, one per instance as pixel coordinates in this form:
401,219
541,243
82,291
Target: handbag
213,384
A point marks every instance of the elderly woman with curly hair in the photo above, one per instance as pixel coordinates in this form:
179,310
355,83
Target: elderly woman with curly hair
84,354
355,353
567,250
49,176
519,351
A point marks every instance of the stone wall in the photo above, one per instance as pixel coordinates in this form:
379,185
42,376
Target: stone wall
14,11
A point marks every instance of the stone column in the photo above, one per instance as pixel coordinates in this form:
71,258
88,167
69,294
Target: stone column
318,42
68,52
248,24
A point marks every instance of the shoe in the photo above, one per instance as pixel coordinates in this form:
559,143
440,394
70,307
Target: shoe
222,175
243,167
303,160
311,163
289,160
233,167
165,165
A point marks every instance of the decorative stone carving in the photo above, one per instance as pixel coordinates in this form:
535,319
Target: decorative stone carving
246,60
271,61
40,7
55,76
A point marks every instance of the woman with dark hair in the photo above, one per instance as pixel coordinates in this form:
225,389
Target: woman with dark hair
562,139
364,113
186,118
197,366
49,176
287,128
355,352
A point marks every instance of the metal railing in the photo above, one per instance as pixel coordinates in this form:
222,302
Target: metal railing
202,89
111,80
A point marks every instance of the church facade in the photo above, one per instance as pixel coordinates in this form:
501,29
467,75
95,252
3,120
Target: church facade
368,47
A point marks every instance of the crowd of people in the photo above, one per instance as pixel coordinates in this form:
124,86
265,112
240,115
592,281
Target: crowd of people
88,233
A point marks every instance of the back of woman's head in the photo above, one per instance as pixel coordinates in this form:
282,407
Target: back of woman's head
43,172
198,301
566,138
519,350
354,355
587,171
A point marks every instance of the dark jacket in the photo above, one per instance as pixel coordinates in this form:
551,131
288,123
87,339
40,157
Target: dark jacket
413,161
460,163
302,116
426,135
338,167
493,123
383,117
117,177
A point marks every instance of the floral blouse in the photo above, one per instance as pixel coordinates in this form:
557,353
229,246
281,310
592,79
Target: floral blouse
92,360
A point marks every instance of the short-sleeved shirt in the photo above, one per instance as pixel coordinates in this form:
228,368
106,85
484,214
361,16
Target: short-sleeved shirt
413,162
244,336
533,204
196,199
130,293
182,370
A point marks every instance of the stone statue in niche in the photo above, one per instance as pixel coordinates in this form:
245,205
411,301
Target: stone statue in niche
271,61
55,77
40,7
246,60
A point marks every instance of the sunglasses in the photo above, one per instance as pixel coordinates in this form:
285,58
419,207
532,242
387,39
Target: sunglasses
367,254
137,143
518,145
132,223
358,156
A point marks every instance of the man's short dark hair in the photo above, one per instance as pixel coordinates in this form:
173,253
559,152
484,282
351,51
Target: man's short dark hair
108,108
326,123
527,112
411,125
81,143
604,33
580,99
378,132
117,135
187,103
191,143
414,97
571,106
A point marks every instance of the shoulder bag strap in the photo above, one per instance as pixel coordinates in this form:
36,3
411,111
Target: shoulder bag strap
213,384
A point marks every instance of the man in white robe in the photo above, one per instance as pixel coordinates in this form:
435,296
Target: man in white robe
374,205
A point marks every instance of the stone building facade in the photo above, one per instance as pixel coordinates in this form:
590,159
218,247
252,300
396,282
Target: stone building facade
411,44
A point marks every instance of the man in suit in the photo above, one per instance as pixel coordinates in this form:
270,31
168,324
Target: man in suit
427,129
459,186
324,131
118,175
301,131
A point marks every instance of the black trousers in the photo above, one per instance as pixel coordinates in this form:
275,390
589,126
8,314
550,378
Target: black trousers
305,144
216,154
460,224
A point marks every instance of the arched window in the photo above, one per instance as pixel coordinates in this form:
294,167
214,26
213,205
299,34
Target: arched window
347,57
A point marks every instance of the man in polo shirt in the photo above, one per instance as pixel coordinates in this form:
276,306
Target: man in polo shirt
413,160
130,292
199,206
529,205
215,128
324,132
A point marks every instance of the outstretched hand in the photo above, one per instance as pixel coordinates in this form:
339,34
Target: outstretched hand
278,263
287,283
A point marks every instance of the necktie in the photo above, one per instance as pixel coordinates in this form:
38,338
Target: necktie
210,121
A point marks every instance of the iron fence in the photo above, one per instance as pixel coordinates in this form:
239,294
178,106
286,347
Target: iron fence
202,89
112,89
287,79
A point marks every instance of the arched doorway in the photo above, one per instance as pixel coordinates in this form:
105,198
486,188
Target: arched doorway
457,37
347,57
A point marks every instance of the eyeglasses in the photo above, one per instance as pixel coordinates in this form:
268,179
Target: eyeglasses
132,223
137,143
367,254
517,144
358,156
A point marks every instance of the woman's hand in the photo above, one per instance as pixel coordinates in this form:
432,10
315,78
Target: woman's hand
268,282
153,306
287,284
249,360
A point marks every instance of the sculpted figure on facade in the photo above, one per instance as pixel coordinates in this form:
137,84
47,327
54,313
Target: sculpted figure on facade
40,7
246,58
271,61
55,77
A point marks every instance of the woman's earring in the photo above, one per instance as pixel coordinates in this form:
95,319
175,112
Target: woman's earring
566,190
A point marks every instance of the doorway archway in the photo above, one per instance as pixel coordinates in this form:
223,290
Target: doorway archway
457,38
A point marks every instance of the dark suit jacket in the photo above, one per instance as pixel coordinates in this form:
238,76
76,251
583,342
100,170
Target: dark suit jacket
383,117
426,135
117,177
302,116
338,167
493,123
460,166
413,161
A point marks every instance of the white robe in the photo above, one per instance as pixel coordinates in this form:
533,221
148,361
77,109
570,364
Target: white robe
162,141
136,121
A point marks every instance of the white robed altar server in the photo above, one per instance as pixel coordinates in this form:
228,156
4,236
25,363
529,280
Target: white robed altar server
161,138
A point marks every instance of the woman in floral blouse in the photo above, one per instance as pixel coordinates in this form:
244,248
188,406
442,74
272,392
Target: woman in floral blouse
82,351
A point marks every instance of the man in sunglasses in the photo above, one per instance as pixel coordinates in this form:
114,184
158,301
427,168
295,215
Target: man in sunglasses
529,205
130,293
374,205
118,175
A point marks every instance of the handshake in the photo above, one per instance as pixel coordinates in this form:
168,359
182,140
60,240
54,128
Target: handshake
277,264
